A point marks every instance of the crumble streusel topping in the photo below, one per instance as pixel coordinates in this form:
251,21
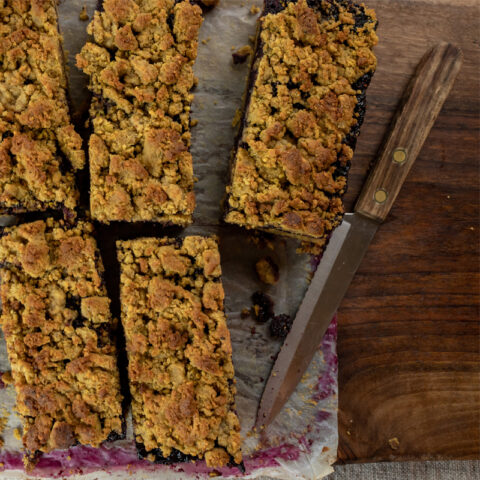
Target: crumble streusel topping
178,344
57,324
36,135
289,170
141,74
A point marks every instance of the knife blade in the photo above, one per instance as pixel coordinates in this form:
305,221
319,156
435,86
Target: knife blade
414,118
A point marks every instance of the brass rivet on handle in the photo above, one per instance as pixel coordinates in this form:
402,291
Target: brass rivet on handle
399,155
380,195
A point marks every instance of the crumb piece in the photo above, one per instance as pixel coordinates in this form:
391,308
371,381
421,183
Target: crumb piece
4,420
241,54
237,117
83,14
193,122
206,40
262,309
251,38
7,378
261,240
394,443
312,248
245,313
254,9
17,433
280,325
267,271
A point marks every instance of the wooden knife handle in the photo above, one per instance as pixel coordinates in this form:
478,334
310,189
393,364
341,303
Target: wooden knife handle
411,125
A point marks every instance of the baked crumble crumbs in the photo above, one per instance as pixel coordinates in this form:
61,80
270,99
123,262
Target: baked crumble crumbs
38,144
83,15
58,329
140,67
262,307
267,270
179,352
290,164
241,55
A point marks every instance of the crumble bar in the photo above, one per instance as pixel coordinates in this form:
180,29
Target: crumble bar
38,144
58,329
303,109
140,68
179,352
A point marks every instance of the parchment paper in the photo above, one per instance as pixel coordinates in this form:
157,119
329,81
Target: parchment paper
302,442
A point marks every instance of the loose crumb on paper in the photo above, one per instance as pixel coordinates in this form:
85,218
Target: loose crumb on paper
83,14
7,378
254,9
267,270
240,55
4,414
237,117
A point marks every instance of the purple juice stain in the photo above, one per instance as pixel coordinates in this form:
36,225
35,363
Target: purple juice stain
113,458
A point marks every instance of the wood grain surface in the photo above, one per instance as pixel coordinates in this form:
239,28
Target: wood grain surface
409,363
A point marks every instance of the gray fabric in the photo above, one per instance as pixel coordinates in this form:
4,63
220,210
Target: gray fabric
455,470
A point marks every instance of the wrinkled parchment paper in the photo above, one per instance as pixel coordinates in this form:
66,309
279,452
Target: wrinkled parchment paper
302,441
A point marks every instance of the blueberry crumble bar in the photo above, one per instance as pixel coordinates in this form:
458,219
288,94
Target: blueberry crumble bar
38,144
304,105
58,329
179,352
140,67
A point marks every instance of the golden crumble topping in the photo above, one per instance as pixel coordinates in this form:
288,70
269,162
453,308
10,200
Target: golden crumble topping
179,351
36,136
57,324
140,66
289,167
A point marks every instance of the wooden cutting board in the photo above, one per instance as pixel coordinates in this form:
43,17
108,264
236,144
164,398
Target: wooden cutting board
409,339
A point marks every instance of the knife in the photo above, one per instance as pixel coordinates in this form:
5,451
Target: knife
420,105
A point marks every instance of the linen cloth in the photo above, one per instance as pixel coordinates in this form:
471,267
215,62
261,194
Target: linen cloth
444,470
